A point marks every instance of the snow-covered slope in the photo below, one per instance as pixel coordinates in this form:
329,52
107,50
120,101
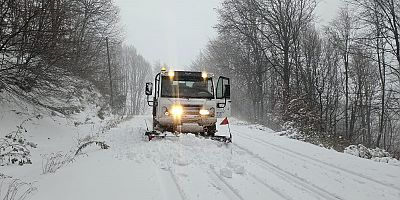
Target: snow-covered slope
49,133
259,164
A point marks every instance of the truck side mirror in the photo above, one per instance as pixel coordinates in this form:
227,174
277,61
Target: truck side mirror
149,88
226,95
227,91
221,105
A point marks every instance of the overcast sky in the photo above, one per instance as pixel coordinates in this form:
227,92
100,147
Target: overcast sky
174,31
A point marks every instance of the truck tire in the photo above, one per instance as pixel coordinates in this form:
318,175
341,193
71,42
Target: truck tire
211,130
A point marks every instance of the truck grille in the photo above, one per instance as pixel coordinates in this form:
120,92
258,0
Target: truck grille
191,109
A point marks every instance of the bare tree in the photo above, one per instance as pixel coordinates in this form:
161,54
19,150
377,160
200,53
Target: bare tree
134,72
324,83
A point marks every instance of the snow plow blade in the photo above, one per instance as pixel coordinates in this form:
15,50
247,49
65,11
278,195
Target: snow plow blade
222,139
155,134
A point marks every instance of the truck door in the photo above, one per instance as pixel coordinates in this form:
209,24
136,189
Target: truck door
223,97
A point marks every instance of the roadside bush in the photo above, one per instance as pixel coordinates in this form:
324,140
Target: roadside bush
54,161
14,189
14,149
377,154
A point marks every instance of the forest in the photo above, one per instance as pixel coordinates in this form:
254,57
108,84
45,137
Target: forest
48,45
78,101
337,84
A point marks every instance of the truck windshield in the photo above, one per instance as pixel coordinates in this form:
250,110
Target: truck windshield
187,87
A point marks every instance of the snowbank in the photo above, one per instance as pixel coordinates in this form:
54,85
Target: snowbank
377,154
33,135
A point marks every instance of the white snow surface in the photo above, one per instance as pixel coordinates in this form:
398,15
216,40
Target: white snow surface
377,154
259,164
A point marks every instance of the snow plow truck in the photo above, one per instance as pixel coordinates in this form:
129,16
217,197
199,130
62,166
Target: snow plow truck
189,102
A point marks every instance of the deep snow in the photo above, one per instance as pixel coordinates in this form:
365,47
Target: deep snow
259,164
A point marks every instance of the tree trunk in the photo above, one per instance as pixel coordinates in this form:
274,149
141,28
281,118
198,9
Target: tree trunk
346,66
286,76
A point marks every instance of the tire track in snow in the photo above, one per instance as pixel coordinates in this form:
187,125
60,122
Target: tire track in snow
273,189
167,178
229,189
178,187
291,178
304,157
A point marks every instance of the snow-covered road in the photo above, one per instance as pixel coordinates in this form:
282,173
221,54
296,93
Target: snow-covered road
259,164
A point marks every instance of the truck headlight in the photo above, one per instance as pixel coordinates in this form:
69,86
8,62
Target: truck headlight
204,112
176,110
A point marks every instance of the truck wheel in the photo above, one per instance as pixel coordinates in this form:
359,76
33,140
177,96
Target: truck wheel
211,130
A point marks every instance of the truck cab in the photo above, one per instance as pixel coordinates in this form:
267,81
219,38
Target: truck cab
188,101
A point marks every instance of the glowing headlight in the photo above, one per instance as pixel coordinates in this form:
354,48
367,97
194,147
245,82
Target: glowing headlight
204,75
204,112
176,110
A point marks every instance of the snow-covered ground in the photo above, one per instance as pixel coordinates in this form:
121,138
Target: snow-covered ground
259,164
